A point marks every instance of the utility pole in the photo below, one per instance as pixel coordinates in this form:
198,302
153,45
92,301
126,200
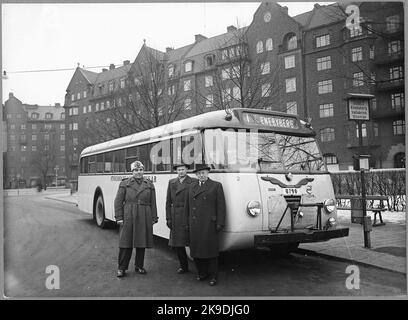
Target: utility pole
56,175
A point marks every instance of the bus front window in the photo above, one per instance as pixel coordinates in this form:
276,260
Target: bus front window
240,150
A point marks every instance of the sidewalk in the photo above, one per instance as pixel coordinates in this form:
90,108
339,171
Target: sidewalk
388,243
65,197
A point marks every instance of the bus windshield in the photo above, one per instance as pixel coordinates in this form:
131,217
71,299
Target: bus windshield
261,151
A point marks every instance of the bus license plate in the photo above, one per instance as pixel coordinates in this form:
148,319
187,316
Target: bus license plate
291,191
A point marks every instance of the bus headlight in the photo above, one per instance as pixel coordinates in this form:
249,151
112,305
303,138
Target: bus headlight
329,205
253,208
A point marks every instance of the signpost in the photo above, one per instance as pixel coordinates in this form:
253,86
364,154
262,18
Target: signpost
358,106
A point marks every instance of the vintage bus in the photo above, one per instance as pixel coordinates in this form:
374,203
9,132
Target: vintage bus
277,188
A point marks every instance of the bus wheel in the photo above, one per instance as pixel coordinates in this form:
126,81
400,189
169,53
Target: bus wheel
283,249
100,213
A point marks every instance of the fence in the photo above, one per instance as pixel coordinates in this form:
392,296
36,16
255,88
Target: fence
385,182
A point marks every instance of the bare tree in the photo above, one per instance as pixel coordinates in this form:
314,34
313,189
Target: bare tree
45,159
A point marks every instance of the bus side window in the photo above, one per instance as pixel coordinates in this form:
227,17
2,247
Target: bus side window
132,154
119,161
108,162
160,156
144,152
92,164
84,165
191,147
99,163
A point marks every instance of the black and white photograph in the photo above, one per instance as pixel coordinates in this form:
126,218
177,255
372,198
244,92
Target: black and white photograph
203,151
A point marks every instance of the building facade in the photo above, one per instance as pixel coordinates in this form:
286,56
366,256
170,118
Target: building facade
307,65
35,147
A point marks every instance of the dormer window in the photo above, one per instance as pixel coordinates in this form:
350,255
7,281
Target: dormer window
62,115
292,42
122,83
209,60
35,115
48,115
171,70
111,86
188,66
259,47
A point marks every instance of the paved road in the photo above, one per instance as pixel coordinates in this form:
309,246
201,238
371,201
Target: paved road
41,232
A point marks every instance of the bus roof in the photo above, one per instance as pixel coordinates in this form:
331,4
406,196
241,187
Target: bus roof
214,119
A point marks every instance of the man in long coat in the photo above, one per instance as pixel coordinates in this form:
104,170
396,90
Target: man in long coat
205,206
135,212
176,217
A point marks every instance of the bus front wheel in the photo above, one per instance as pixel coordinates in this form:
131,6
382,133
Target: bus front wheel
99,215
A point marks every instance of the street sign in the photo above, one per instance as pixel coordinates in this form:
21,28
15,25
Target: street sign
358,109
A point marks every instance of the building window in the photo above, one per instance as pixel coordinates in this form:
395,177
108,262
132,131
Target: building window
398,127
78,95
375,129
291,107
357,54
209,60
12,126
209,101
122,83
265,68
89,108
224,54
325,86
187,85
372,78
225,73
327,134
372,52
187,104
399,160
97,107
358,79
363,131
266,90
34,137
102,105
188,66
330,159
84,109
226,95
236,93
289,62
23,127
208,81
34,126
34,115
62,148
356,31
171,70
322,41
292,42
23,148
108,104
75,141
9,116
75,126
397,101
62,137
259,47
396,73
62,115
75,111
33,148
48,115
326,110
72,97
46,137
48,126
393,23
269,44
171,90
291,85
394,47
323,63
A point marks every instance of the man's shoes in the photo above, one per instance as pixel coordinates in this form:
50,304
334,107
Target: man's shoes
212,282
140,270
181,270
202,277
121,273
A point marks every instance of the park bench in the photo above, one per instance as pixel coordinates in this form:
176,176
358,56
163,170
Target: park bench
377,210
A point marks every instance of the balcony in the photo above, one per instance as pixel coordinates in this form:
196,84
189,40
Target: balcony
384,59
390,85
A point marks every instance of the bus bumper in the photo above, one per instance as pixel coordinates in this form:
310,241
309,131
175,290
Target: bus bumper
300,236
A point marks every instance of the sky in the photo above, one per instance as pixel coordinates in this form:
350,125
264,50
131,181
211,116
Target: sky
59,36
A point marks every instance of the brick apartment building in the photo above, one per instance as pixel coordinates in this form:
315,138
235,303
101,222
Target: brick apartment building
35,144
306,64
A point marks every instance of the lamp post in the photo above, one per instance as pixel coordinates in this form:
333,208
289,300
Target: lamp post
56,175
358,106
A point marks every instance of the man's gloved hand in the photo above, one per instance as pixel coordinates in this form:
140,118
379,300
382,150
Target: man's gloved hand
120,223
168,224
155,220
219,227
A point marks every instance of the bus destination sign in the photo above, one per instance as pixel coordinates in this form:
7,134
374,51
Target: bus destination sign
270,120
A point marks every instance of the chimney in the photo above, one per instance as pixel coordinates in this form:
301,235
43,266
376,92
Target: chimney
126,62
285,9
169,49
231,29
317,6
11,95
199,37
57,104
112,66
104,69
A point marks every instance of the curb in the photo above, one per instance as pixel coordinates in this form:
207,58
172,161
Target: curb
331,257
61,200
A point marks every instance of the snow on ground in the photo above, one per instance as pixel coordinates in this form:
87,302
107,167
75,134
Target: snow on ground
388,216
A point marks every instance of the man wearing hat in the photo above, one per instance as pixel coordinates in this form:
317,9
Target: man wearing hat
205,206
135,212
176,215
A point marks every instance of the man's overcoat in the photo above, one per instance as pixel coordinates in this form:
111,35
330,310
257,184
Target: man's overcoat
135,204
206,209
175,213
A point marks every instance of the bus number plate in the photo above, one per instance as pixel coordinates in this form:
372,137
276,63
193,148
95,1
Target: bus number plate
291,191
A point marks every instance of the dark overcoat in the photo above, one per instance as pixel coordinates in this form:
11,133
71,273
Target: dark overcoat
135,204
175,213
206,209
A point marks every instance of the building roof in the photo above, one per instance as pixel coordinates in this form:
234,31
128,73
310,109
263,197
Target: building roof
89,75
322,15
112,74
175,55
56,111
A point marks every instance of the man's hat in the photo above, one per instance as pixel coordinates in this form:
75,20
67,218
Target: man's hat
182,164
136,165
201,166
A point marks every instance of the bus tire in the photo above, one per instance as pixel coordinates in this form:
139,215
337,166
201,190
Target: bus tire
99,213
282,249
